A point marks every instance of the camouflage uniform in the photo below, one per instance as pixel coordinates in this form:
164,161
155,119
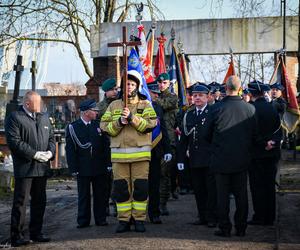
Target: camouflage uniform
103,106
169,102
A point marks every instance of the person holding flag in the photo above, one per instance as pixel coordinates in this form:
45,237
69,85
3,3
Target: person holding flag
130,130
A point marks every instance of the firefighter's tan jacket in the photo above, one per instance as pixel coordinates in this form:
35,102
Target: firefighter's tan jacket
131,142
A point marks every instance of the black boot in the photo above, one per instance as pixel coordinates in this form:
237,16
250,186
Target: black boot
164,210
155,220
123,227
139,226
222,233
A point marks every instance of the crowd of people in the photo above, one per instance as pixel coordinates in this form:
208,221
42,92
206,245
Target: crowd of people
139,155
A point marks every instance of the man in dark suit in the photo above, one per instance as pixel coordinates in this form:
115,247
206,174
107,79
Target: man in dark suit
88,157
30,138
266,155
194,139
234,129
160,150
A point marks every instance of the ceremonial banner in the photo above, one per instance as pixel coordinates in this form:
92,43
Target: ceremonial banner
145,53
176,79
160,66
184,70
230,71
291,116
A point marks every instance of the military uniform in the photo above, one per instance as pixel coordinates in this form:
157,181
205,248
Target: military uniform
103,106
169,103
130,154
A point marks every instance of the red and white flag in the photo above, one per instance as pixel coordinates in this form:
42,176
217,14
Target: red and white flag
145,54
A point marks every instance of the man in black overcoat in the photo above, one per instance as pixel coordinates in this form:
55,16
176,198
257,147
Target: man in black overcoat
30,138
234,129
88,158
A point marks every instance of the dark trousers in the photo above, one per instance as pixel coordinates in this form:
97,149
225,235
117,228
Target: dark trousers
36,188
235,183
100,191
184,177
173,172
204,185
262,185
154,183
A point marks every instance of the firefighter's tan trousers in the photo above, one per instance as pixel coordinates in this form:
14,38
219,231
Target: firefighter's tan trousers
130,189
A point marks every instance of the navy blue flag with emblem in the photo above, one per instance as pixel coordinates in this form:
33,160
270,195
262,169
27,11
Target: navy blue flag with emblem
134,63
176,79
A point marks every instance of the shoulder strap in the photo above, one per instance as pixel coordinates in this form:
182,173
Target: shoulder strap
76,140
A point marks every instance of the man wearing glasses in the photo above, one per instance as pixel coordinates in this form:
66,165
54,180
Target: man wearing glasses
87,151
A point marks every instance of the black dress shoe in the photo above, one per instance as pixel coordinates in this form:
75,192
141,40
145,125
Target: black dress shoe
211,224
222,233
164,210
123,227
155,220
199,222
174,196
83,225
255,222
240,233
40,238
101,223
183,191
19,242
139,226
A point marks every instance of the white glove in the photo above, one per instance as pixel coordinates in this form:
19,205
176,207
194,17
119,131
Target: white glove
48,154
167,157
75,174
40,156
109,168
180,166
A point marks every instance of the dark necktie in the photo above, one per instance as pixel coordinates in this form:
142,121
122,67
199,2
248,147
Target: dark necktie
199,112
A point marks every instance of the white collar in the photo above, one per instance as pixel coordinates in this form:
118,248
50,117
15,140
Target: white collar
85,122
202,109
28,112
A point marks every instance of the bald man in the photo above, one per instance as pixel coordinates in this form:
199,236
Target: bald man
31,141
234,129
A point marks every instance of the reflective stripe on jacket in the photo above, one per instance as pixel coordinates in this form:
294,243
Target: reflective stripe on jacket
131,142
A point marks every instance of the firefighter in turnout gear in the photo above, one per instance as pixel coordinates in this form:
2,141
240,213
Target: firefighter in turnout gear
130,130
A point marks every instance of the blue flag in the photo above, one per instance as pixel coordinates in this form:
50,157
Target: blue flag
134,63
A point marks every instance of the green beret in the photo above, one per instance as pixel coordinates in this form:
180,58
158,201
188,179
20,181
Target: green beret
109,84
162,77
